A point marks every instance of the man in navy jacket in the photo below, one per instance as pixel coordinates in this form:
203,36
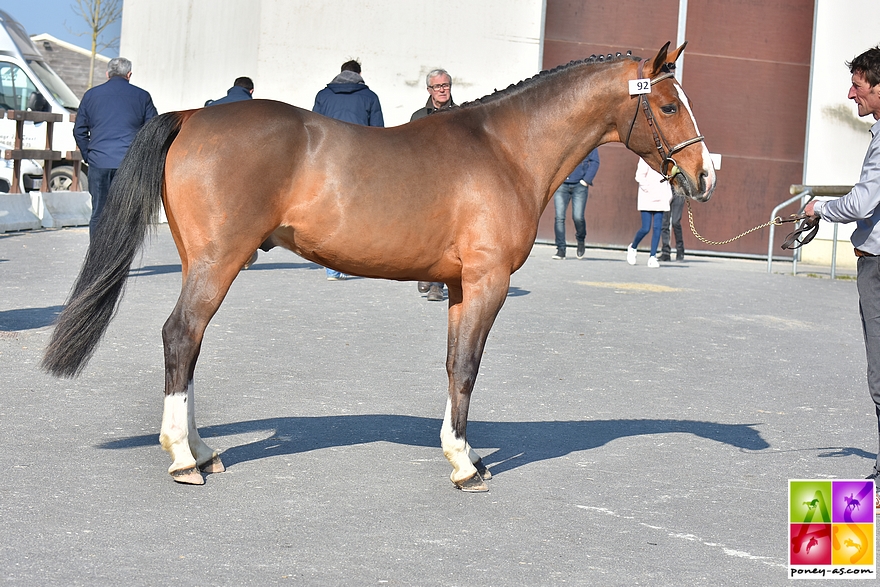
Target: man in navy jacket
574,189
109,117
242,89
348,98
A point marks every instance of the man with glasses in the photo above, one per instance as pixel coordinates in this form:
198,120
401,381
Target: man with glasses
439,98
862,206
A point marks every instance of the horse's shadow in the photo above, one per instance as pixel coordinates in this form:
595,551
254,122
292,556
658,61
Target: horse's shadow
28,318
522,442
149,270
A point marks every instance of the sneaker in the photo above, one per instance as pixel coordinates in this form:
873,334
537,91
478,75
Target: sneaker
435,294
582,248
679,256
652,261
875,475
424,286
665,257
631,255
560,253
340,277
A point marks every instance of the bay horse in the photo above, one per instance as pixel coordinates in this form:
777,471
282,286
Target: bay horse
454,198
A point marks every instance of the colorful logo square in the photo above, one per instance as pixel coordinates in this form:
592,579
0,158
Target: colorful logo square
852,544
852,502
810,544
809,502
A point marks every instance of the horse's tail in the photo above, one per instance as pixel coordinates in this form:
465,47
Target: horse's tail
133,204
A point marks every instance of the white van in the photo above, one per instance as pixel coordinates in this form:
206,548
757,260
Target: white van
28,83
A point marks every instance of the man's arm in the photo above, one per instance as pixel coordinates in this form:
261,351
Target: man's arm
861,201
149,109
592,166
81,132
376,118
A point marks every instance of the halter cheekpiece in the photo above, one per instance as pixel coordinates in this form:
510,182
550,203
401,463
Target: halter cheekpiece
666,152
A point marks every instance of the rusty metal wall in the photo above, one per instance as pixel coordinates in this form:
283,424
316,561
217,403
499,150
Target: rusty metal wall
746,70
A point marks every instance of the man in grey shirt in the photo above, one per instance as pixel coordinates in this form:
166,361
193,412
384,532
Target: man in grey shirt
862,206
439,84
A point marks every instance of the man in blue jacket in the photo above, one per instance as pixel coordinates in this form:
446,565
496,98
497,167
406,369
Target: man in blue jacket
575,190
109,117
348,98
242,89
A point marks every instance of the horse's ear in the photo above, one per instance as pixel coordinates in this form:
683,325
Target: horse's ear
660,59
676,54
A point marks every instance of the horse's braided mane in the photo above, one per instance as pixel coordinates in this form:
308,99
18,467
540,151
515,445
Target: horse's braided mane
546,74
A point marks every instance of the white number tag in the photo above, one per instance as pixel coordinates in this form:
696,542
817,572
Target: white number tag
639,86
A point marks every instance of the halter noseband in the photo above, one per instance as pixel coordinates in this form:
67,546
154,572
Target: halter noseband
666,152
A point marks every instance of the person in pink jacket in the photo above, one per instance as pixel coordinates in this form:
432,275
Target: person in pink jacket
654,198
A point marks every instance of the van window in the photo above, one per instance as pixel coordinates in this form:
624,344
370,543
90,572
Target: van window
54,84
15,87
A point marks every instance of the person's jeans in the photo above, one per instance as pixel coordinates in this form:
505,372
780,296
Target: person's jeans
676,207
99,186
649,219
576,193
868,283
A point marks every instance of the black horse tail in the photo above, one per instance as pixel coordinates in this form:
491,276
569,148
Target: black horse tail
132,206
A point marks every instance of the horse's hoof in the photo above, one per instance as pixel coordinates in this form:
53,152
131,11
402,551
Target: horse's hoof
483,470
473,484
215,465
190,476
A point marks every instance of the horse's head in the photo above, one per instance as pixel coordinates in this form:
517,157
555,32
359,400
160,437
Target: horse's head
663,130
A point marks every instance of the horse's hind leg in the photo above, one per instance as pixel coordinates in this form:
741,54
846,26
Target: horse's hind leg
180,437
203,290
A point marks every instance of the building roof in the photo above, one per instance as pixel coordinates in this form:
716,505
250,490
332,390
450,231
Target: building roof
71,63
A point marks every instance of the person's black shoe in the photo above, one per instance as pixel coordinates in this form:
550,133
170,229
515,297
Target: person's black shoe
560,253
665,257
424,286
582,248
679,256
875,474
435,293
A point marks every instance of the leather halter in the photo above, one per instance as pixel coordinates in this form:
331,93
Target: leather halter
666,152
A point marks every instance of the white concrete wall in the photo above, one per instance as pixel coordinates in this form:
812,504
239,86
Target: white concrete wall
836,137
187,51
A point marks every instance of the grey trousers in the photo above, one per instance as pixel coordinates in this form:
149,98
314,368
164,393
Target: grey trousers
868,281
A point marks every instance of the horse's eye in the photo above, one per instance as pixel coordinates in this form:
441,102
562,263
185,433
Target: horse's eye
669,109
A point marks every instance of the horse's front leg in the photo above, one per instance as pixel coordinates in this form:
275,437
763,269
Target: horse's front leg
473,306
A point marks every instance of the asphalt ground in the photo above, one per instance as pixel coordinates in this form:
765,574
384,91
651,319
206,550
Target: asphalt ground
641,424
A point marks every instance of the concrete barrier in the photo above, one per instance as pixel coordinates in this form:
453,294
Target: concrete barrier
47,210
17,212
65,209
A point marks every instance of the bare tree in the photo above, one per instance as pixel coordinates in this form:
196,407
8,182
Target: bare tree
98,15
